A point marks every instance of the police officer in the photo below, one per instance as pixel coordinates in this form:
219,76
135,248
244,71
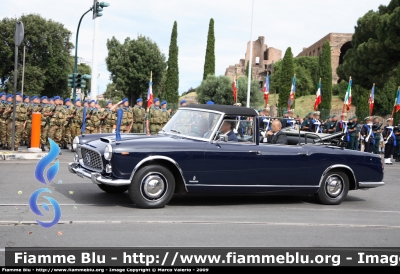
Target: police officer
154,119
316,124
139,117
368,135
127,117
396,131
307,122
326,124
353,129
332,124
165,114
20,118
376,127
390,141
342,124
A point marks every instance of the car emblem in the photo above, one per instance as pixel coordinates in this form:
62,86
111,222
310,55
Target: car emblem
194,178
87,158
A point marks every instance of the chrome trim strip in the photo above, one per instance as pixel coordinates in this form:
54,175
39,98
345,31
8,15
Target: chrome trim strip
370,184
338,166
254,185
95,177
150,158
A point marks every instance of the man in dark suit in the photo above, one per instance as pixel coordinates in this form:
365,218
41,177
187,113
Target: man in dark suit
275,135
227,129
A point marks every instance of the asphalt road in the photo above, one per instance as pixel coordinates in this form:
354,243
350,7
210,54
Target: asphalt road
93,218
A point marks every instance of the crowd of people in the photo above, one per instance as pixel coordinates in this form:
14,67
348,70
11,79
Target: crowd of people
369,136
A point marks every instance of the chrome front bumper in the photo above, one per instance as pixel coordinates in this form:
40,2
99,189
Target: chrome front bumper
366,185
96,178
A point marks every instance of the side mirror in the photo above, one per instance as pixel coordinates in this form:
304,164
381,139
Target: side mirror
223,138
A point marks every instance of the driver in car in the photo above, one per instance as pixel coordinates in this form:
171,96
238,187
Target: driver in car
227,129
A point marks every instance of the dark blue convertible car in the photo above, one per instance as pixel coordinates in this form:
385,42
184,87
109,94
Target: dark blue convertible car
218,149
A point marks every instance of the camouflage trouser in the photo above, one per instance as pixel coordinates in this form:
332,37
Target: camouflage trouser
27,132
67,135
90,130
3,131
137,128
55,133
155,128
44,133
19,128
75,131
107,129
124,129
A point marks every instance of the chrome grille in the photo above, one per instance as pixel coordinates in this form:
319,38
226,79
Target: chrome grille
91,159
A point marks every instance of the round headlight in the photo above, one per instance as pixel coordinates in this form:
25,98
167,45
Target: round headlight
75,142
108,152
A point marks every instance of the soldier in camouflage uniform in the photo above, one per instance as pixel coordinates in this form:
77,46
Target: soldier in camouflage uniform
57,121
100,112
67,130
92,120
3,128
165,114
7,119
25,137
110,118
76,122
45,123
127,117
20,118
34,106
139,116
154,119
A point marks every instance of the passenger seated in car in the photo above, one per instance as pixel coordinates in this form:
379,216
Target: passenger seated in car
227,129
275,135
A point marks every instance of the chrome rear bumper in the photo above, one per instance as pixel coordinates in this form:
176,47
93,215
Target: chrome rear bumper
365,185
96,178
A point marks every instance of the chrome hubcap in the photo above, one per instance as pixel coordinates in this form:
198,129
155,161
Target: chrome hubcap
334,186
154,186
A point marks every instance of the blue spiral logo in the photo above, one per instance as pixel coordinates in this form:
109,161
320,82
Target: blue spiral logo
39,175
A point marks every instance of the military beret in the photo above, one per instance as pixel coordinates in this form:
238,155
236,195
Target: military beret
328,117
139,100
155,100
310,113
86,101
182,102
210,103
168,108
26,96
333,116
67,100
9,96
61,99
109,102
77,100
51,99
43,97
34,97
354,117
2,93
18,93
260,110
92,101
163,102
56,98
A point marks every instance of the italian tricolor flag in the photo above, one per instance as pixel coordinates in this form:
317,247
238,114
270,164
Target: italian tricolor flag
318,99
347,98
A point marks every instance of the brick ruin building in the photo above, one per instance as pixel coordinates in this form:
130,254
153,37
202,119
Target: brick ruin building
340,43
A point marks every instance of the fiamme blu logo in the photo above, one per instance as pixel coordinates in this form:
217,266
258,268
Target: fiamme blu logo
40,176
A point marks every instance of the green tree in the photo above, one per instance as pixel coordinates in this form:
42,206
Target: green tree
325,72
209,64
131,63
311,64
247,70
285,79
113,93
48,50
33,82
85,69
340,89
172,79
360,98
219,90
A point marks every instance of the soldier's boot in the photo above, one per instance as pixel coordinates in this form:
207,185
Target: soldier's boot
42,147
397,158
65,146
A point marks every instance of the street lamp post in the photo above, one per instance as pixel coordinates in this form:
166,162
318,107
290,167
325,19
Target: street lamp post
250,57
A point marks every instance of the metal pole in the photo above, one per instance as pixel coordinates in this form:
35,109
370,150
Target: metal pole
93,86
76,54
251,57
15,97
23,73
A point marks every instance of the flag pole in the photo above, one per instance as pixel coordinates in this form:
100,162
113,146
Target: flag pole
250,57
395,101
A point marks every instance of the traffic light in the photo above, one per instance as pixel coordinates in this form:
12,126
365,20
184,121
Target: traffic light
98,8
71,80
78,80
85,78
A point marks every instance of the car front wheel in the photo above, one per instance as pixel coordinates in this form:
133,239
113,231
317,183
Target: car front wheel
152,187
333,189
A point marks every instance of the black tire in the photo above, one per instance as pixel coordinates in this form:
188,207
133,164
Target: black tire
113,189
333,195
163,191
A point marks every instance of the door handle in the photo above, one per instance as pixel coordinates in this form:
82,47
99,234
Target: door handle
303,154
255,151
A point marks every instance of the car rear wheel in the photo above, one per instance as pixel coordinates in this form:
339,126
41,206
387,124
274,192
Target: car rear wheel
113,189
152,187
333,189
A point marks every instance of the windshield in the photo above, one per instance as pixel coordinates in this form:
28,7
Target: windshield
193,123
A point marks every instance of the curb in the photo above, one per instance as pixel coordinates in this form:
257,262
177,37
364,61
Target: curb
17,155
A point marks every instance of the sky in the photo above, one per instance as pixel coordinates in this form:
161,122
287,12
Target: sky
283,23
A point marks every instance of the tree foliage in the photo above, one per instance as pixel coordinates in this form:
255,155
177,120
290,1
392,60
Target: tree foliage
219,90
34,80
48,49
209,64
131,62
113,93
285,79
325,72
172,78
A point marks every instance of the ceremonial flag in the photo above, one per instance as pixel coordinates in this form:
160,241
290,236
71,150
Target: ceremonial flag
150,92
371,99
397,103
347,98
234,89
292,93
83,120
266,89
118,129
318,98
